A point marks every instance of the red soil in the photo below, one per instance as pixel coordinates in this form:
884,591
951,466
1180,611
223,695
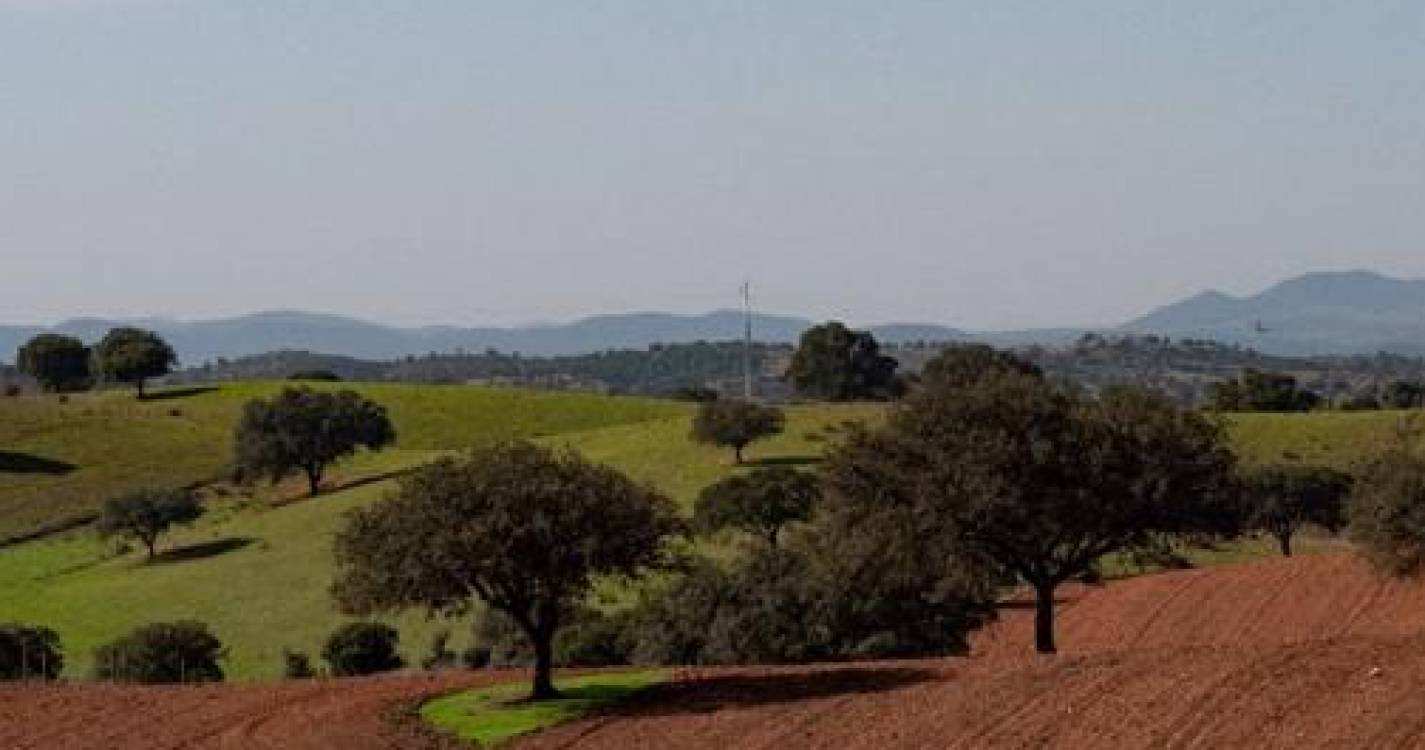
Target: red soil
1309,652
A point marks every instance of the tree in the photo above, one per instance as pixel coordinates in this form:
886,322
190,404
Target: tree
162,652
1387,511
307,430
29,653
1282,499
1404,394
736,424
522,528
760,503
960,365
57,362
1040,479
133,355
835,363
147,514
362,648
1262,391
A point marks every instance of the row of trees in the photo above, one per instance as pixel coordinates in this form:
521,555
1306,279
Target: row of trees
124,355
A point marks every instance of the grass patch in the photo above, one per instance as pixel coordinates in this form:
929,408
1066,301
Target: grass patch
494,715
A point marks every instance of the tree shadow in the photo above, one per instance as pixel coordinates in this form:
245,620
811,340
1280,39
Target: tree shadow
24,463
789,461
171,394
202,551
719,693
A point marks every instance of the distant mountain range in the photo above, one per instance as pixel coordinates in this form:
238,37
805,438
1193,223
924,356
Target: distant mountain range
1317,314
1347,312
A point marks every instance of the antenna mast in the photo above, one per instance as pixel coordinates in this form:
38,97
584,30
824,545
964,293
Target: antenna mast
747,341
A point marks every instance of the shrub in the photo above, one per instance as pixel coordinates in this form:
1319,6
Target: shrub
476,657
362,648
296,665
29,653
323,376
1387,512
163,652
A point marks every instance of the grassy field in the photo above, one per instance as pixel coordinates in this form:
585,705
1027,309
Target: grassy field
494,715
74,455
259,574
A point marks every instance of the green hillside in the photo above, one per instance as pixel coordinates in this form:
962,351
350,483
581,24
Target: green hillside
259,574
1333,438
71,456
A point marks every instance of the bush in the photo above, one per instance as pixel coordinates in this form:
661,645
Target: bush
362,648
296,665
324,376
29,653
1387,512
163,652
476,657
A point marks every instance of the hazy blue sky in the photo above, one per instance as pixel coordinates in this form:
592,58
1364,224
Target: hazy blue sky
990,164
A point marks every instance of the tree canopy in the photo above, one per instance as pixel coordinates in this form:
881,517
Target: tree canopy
959,365
307,430
1387,510
522,528
761,503
1282,499
57,362
736,424
147,514
1041,479
133,355
834,363
1254,390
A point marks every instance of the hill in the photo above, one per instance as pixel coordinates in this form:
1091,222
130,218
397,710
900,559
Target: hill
1348,312
229,338
62,459
258,565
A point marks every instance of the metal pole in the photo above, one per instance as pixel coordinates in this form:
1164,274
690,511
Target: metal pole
747,341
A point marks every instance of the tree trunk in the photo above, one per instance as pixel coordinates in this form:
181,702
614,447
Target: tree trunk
1284,540
140,387
1044,618
314,481
151,543
544,668
737,454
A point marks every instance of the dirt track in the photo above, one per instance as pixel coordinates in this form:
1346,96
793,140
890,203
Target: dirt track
1311,652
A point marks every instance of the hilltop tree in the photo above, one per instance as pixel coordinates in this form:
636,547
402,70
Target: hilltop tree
132,355
760,503
307,430
522,528
1254,390
146,515
835,363
57,362
736,424
1282,499
959,365
1040,479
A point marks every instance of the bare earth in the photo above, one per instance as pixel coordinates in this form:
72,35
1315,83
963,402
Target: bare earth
1302,653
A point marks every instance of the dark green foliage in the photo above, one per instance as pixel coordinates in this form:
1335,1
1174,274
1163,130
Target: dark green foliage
132,355
146,515
476,657
163,652
761,503
1262,391
1387,510
362,648
959,365
587,638
1404,394
58,362
835,363
323,376
29,653
307,430
1282,499
1040,479
696,394
736,424
788,605
296,665
521,527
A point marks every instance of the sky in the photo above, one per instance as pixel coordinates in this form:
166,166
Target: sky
985,164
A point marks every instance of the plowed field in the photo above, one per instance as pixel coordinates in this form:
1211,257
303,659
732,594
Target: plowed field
1309,652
